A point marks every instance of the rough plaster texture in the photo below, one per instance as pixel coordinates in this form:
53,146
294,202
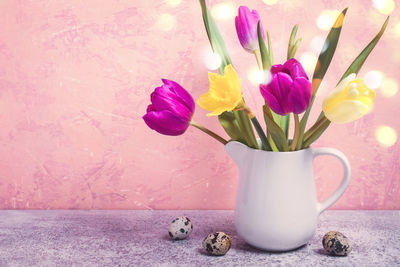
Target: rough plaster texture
75,79
140,238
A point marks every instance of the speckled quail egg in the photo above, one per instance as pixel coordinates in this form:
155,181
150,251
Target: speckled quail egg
217,243
336,243
180,228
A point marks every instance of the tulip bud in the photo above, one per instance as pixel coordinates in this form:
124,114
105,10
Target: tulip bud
246,28
171,109
351,100
289,89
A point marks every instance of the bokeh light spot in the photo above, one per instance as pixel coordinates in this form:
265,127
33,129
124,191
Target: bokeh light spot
173,2
308,60
166,22
223,11
373,79
211,60
257,76
327,18
389,87
386,135
270,2
384,6
317,44
397,29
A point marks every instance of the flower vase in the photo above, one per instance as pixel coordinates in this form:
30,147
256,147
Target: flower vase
276,203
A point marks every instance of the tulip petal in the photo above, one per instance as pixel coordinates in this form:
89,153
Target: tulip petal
275,69
246,28
241,32
344,82
255,18
271,100
339,93
162,100
290,88
295,68
165,122
347,111
181,93
150,108
300,95
283,90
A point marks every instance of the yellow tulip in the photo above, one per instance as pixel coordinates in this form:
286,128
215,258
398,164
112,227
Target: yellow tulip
351,100
225,93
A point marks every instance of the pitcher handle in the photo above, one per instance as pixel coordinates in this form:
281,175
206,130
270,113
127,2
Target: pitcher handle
346,176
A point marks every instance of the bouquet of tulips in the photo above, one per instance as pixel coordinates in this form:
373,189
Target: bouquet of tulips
287,91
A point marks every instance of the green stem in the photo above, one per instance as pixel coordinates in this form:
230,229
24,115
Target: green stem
315,127
316,134
209,132
322,114
303,124
296,132
286,125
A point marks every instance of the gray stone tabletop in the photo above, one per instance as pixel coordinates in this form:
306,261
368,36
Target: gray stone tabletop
140,238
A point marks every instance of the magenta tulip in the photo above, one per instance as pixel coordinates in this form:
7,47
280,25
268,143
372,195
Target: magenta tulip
289,89
246,28
171,109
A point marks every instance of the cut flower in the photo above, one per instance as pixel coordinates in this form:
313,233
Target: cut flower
289,89
171,109
225,93
246,28
351,100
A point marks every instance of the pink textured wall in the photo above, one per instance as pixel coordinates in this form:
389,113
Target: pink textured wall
75,79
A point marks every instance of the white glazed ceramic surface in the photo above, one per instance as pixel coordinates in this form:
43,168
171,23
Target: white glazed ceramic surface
276,202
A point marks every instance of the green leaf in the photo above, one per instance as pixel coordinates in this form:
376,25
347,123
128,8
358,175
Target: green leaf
268,112
324,60
271,56
293,34
264,141
278,136
327,52
217,43
265,57
246,128
292,41
360,59
293,50
231,126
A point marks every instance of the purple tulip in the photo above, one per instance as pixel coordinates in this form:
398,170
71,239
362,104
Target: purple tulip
246,28
289,89
171,109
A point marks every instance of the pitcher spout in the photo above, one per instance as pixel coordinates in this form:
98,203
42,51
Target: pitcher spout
237,151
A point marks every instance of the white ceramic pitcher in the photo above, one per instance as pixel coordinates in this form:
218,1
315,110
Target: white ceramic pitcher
276,202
